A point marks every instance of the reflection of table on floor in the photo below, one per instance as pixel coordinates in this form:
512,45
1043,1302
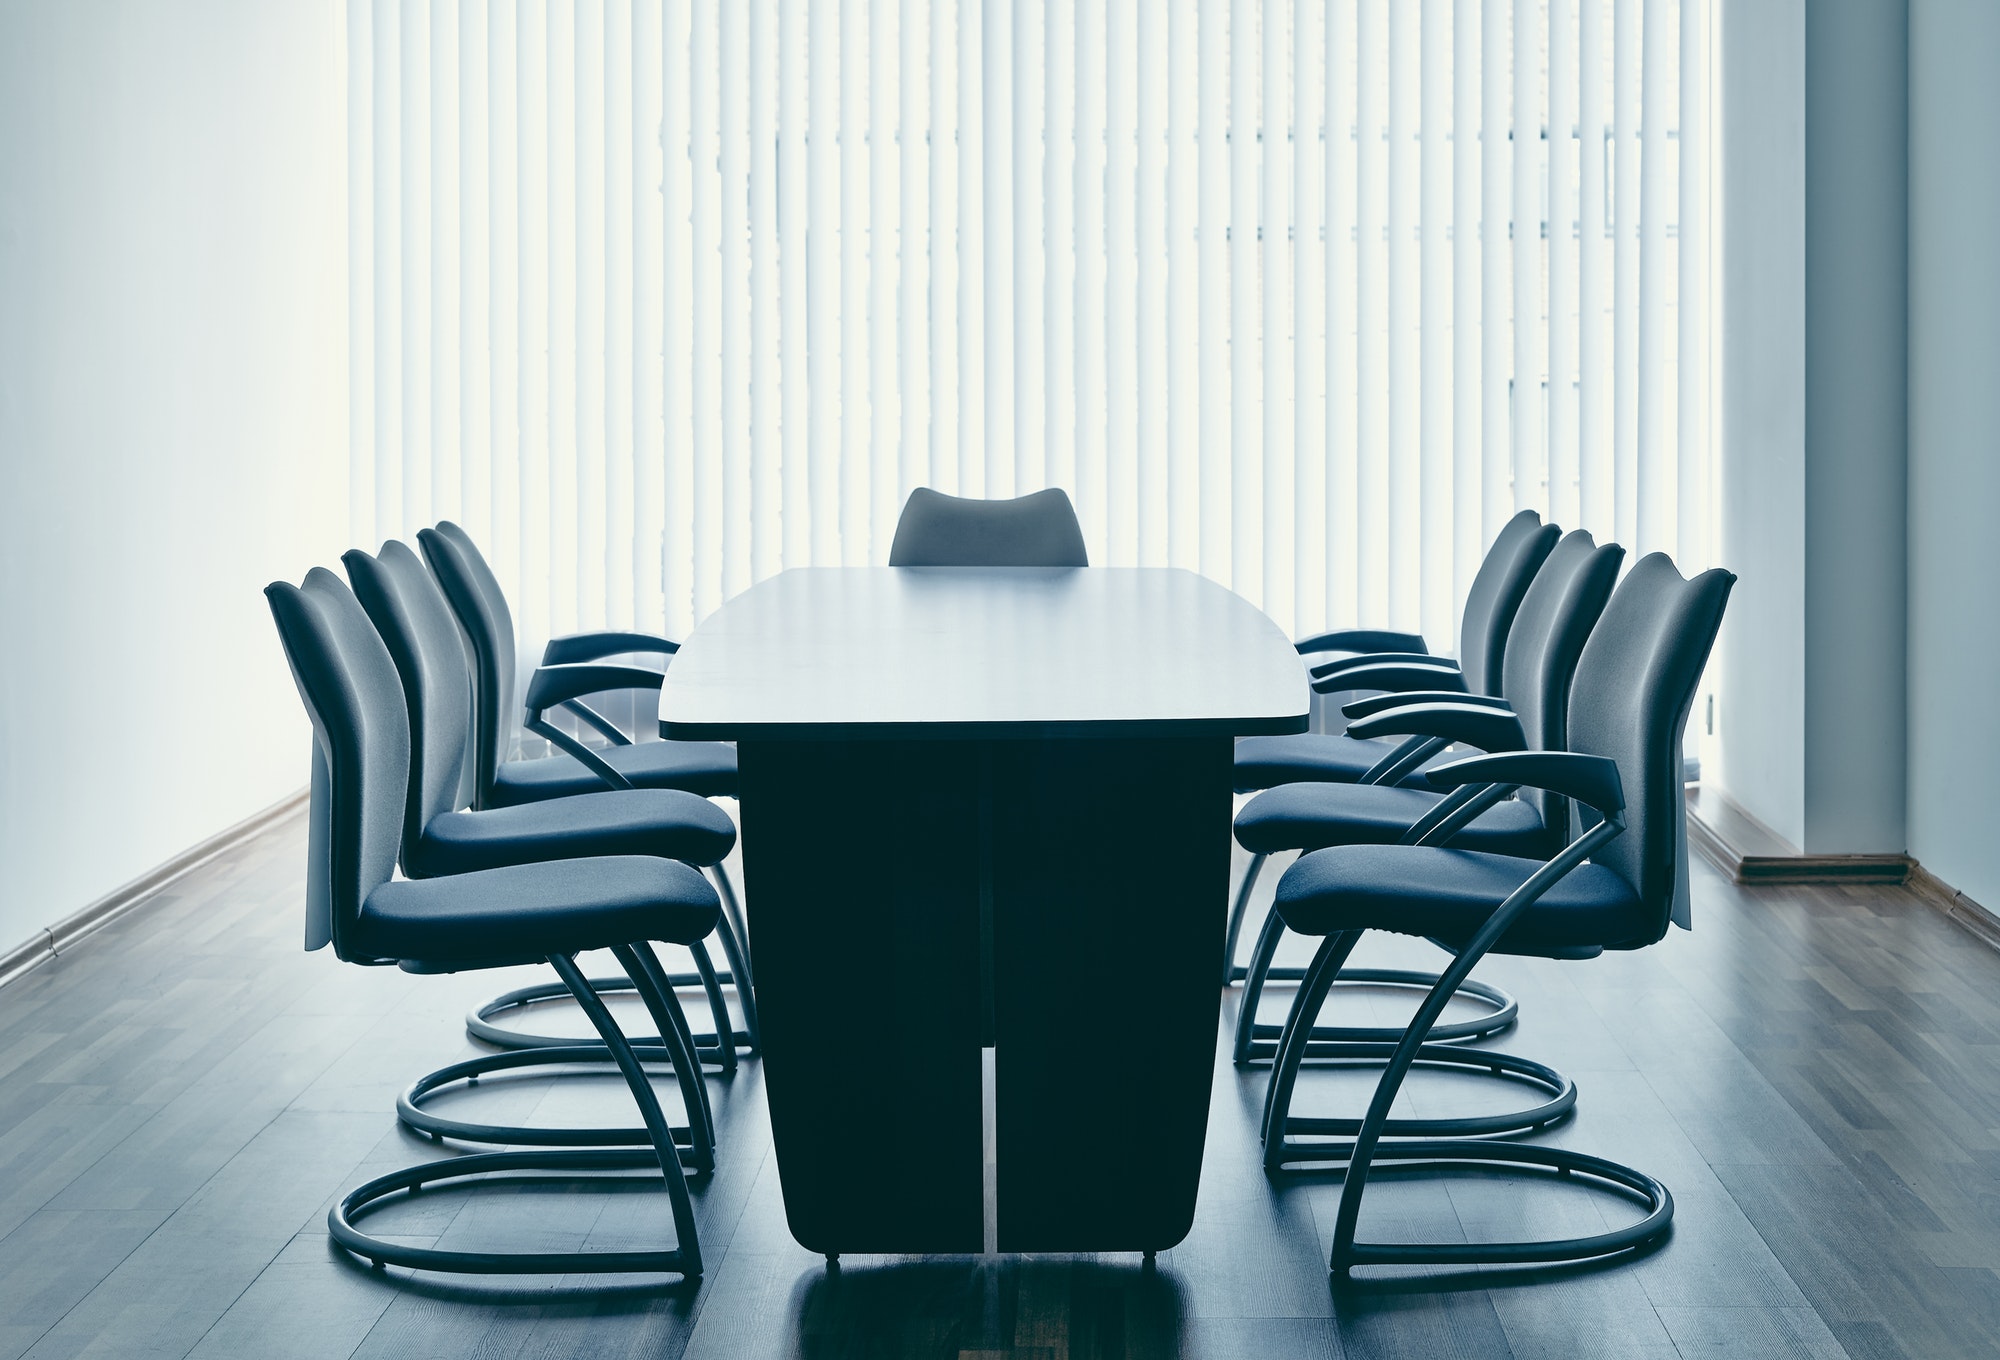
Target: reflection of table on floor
986,806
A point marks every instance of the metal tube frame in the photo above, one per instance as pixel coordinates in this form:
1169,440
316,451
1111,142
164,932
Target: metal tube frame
683,1259
1282,1148
479,1021
696,1138
1368,1148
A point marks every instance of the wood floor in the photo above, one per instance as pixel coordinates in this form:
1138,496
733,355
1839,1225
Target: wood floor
1815,1072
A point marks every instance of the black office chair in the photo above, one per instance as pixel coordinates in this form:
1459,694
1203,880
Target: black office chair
1036,530
484,919
704,767
1517,553
1617,885
1529,712
573,670
415,623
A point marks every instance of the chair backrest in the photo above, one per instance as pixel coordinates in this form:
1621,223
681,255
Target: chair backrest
409,610
1036,530
1518,551
361,758
1550,628
481,606
1634,685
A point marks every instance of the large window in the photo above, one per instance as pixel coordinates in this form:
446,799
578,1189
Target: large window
658,298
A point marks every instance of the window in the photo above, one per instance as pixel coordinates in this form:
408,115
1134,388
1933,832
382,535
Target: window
659,298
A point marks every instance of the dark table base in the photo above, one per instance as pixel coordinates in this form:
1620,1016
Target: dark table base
1061,900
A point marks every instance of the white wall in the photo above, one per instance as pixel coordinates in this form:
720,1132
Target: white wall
1760,692
1954,441
172,420
1811,700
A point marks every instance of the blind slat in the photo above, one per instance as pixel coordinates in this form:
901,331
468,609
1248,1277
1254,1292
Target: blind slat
1246,389
1275,247
659,297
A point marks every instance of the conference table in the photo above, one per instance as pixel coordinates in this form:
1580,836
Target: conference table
986,808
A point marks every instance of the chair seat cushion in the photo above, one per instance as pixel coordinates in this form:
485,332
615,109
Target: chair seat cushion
495,917
1310,757
1314,816
704,767
1448,894
659,822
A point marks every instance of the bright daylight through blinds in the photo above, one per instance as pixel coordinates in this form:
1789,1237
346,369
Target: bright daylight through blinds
659,298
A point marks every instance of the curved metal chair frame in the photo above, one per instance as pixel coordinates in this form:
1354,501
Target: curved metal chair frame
683,1259
1256,1041
1445,1047
480,1020
1412,1050
677,1050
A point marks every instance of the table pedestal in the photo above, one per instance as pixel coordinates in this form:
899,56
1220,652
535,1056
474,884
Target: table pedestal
1060,900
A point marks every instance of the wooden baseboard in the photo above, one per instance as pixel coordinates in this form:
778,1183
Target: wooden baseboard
1955,904
1750,852
52,940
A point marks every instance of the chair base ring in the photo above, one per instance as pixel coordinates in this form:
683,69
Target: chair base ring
1504,1011
479,1020
411,1113
1614,1176
341,1217
1450,1057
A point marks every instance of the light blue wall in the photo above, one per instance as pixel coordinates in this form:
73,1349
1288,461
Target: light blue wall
172,421
1760,661
1857,149
1954,441
1814,418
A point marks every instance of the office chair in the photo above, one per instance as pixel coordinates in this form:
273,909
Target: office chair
1036,530
572,671
1529,712
1617,885
416,625
487,918
1510,564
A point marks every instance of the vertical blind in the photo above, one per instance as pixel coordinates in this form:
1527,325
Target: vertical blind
658,297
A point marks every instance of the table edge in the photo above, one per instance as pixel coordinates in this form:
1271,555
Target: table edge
1079,730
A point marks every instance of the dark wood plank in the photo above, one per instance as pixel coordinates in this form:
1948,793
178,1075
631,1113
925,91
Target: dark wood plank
1813,1071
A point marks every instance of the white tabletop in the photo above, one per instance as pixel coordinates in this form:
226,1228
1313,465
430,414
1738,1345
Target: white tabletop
998,652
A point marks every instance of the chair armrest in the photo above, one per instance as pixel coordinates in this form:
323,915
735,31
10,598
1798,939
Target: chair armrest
1392,675
1362,640
1375,703
1348,663
1488,729
575,647
1591,780
552,685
